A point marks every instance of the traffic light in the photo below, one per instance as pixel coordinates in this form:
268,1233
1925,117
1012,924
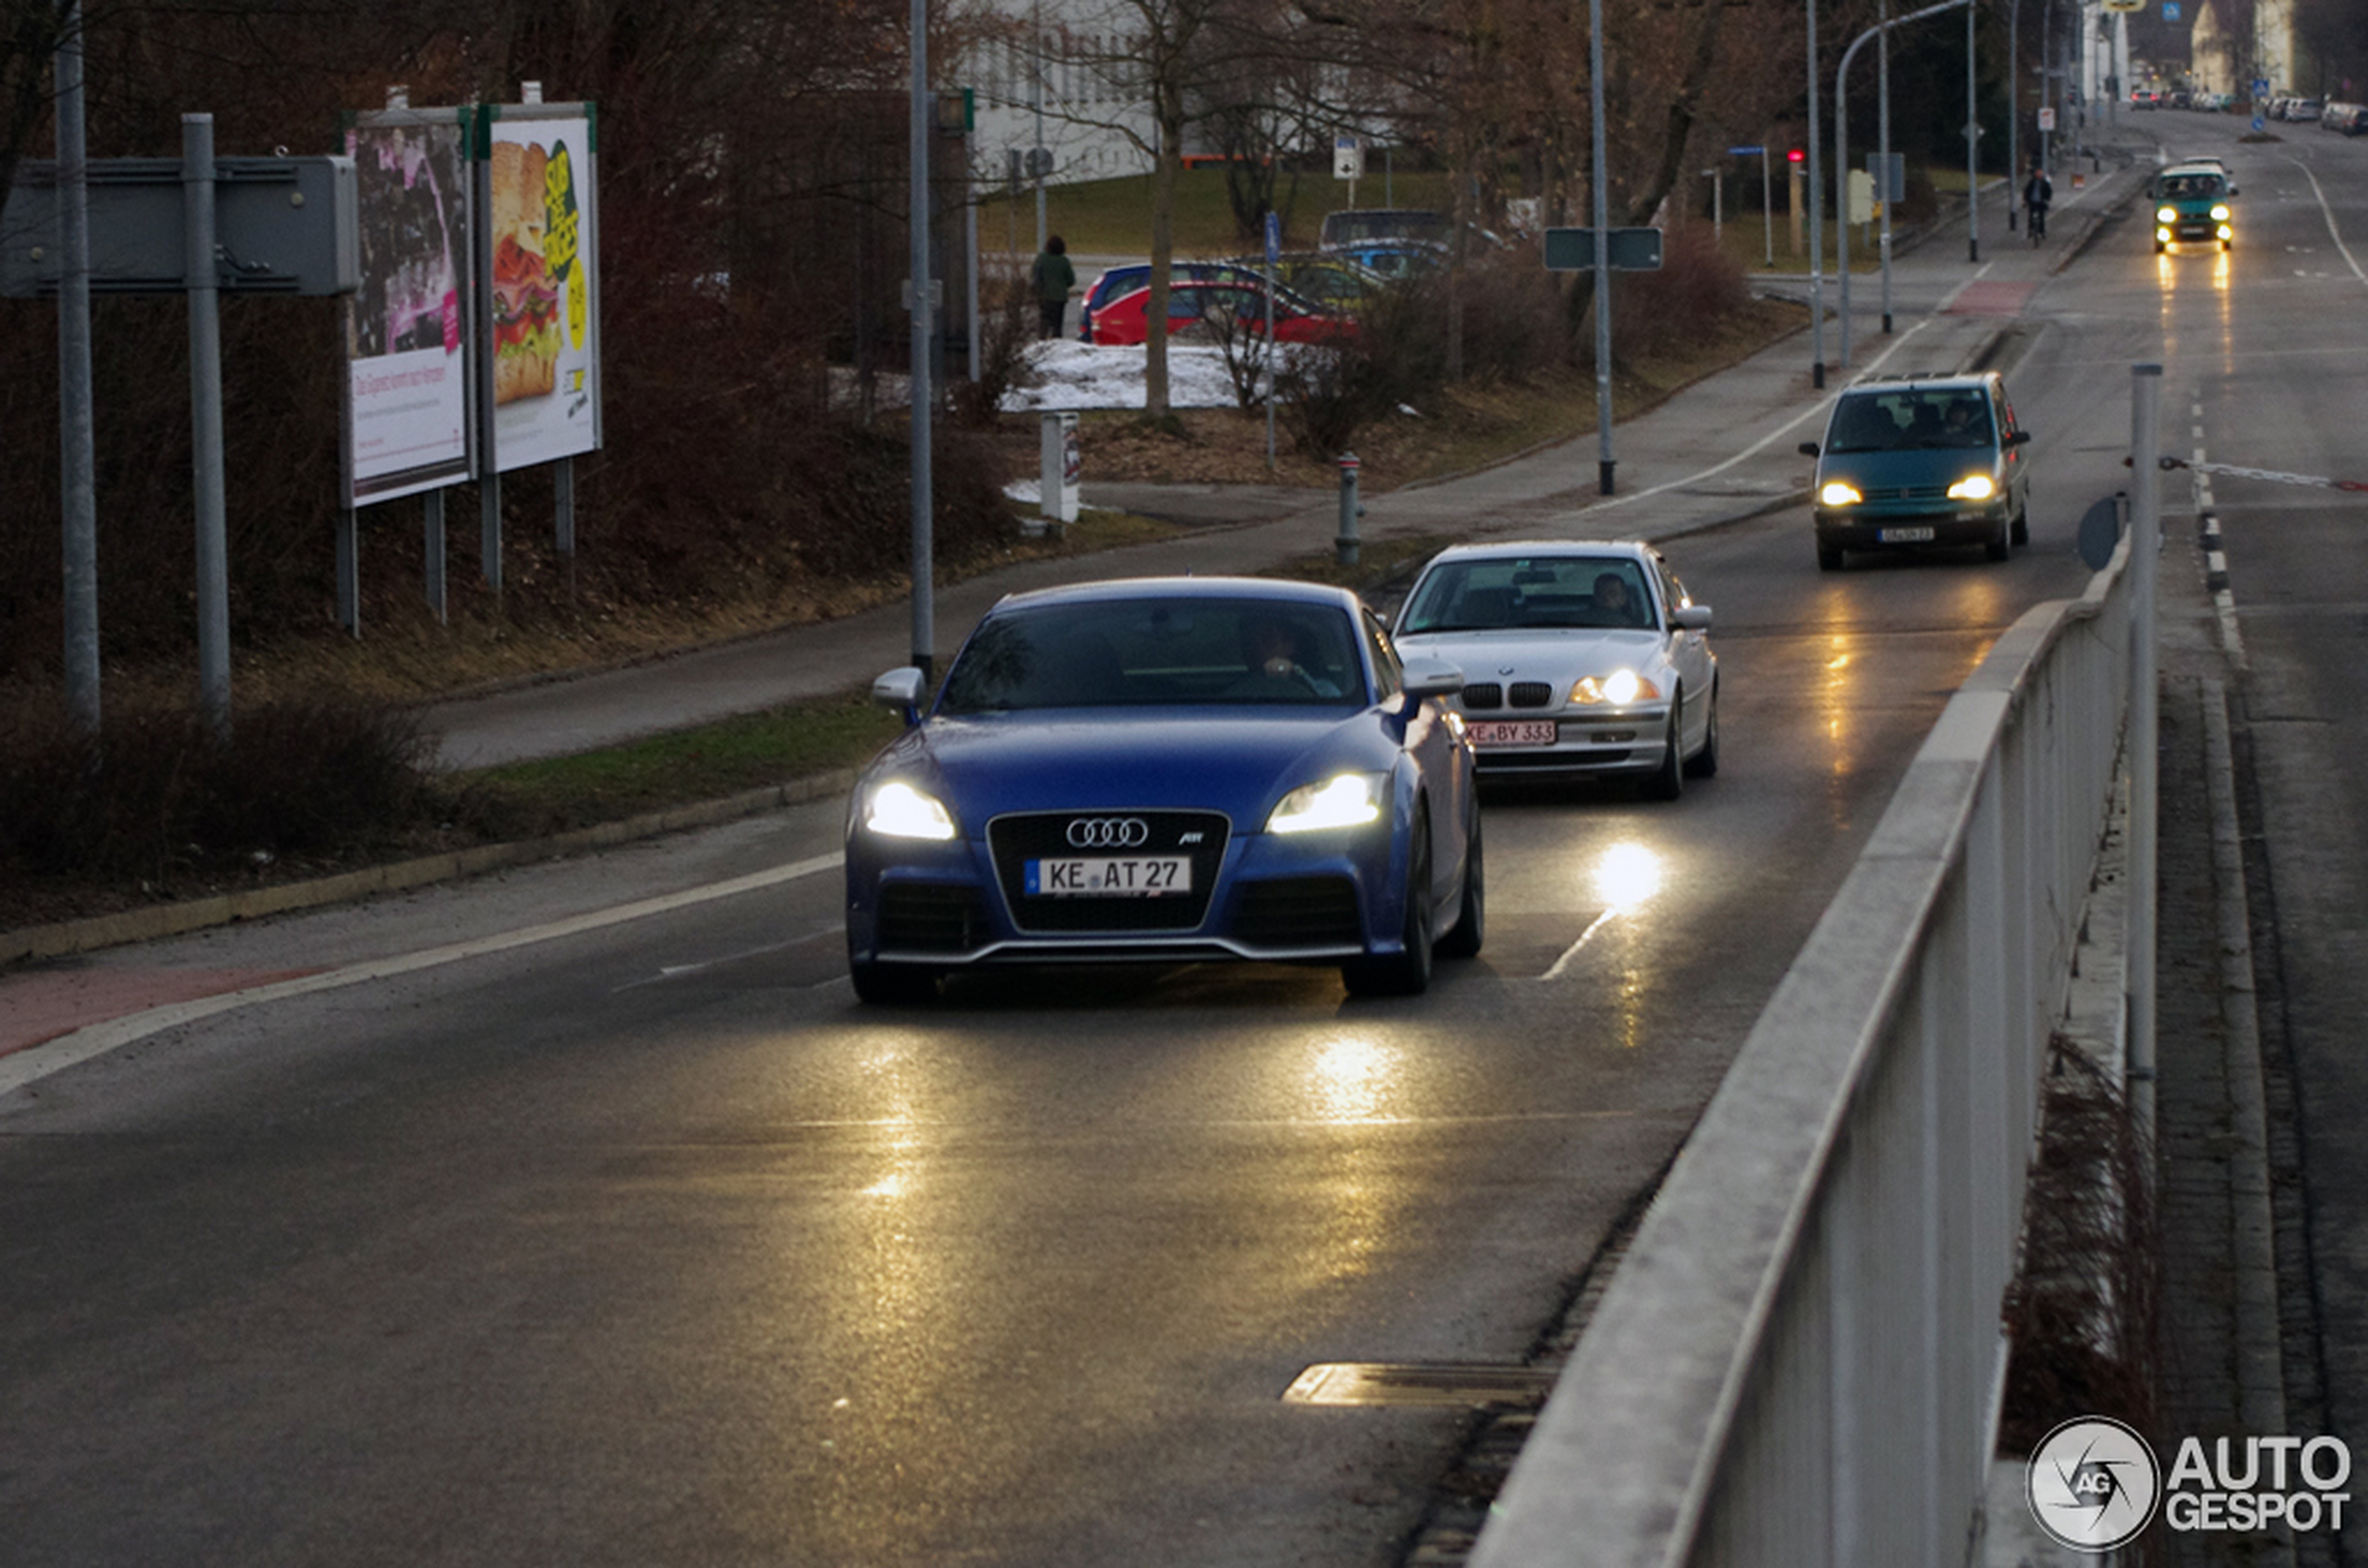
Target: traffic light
1796,155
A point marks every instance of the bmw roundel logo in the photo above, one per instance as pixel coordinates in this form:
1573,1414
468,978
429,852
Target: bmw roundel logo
1109,832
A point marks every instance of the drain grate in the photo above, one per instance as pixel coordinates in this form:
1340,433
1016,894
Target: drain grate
1435,1382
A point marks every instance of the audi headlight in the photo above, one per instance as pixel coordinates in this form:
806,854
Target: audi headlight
1974,486
1350,801
1839,493
898,810
2166,214
2220,213
1620,688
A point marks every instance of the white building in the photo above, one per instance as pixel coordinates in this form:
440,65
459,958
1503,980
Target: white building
1050,74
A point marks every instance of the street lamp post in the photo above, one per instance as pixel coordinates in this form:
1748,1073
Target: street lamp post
1816,221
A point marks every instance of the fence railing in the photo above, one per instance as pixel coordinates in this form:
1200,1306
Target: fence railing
1799,1359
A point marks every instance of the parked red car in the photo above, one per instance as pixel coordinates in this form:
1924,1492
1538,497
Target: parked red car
1205,310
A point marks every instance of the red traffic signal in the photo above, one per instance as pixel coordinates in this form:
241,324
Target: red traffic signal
1795,156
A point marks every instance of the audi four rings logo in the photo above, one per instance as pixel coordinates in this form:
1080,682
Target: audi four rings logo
1109,832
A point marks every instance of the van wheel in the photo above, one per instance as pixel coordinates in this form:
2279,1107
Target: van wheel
1830,558
1997,548
2021,534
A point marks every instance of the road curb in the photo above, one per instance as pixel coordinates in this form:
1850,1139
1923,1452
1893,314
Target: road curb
66,937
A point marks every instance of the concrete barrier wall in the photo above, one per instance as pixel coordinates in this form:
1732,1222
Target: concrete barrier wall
1799,1360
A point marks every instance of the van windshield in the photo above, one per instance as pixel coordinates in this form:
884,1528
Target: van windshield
1912,421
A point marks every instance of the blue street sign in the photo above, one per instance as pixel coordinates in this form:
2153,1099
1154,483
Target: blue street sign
1273,238
2170,10
2256,122
1745,152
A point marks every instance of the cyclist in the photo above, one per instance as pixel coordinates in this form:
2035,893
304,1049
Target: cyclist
2038,193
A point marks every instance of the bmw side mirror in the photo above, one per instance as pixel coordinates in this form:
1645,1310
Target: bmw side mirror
900,689
1809,448
1691,617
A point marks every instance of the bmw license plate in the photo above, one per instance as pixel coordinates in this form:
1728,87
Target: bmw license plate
1513,732
1136,876
1907,536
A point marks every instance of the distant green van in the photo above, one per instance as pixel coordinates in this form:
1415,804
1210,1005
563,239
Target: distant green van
1921,462
2191,206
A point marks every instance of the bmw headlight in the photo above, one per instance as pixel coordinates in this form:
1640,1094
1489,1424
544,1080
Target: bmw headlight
1839,493
1974,486
2220,213
2167,214
898,810
1352,799
1620,688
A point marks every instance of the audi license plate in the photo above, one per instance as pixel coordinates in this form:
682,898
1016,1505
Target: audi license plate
1138,876
1907,536
1514,732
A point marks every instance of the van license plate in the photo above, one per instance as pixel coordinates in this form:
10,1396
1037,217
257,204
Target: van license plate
1907,536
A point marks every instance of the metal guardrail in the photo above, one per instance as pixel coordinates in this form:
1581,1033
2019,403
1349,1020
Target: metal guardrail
1799,1360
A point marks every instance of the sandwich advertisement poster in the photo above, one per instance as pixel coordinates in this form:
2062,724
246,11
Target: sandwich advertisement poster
407,335
544,308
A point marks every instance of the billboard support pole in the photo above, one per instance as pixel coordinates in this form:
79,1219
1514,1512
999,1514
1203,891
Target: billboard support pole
563,507
78,483
349,570
205,396
432,526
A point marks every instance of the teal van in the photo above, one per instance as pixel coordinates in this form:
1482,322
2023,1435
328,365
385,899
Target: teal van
1921,462
2191,205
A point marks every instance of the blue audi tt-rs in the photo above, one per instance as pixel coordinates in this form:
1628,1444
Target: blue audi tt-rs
1165,770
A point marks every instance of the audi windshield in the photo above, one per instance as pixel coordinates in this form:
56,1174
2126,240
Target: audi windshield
1159,653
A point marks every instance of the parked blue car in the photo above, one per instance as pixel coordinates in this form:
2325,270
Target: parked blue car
1167,770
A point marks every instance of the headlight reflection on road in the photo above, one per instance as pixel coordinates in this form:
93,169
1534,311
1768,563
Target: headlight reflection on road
1627,877
1352,1081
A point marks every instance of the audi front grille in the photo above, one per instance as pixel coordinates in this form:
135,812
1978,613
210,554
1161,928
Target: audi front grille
1015,840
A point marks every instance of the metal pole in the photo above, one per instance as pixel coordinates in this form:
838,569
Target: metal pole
431,527
205,434
2145,527
2014,108
1036,77
1972,151
1602,252
1883,146
1842,184
77,457
1816,221
1767,208
924,642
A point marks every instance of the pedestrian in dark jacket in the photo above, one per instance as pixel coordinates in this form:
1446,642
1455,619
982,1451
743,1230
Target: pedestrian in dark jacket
1055,278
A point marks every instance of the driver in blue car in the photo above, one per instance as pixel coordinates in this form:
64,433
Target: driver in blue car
1271,649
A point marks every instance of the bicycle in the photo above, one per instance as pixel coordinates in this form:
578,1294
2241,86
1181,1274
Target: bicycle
2037,224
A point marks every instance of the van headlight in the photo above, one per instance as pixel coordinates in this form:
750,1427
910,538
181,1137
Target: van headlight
898,810
1837,493
2220,213
1974,486
2166,214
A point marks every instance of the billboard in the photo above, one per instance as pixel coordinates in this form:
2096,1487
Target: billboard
406,324
539,258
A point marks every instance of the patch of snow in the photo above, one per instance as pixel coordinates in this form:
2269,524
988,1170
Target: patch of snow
1072,375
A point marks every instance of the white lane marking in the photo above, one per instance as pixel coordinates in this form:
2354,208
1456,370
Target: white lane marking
1813,411
96,1039
1554,971
2328,214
